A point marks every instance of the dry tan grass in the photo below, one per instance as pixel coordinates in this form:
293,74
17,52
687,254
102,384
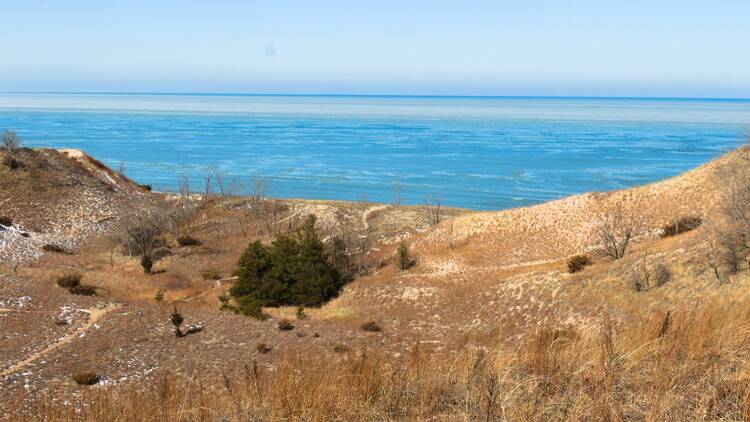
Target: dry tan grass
693,367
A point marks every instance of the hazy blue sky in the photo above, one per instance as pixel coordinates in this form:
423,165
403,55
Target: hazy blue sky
620,48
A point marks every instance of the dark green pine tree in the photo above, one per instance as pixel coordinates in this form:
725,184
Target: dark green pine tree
252,268
319,281
294,270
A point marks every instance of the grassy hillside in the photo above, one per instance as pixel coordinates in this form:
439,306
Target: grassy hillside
488,324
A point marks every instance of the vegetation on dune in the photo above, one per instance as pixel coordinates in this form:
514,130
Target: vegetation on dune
147,263
674,366
650,355
69,280
616,230
86,378
54,248
680,225
176,319
402,255
293,271
578,262
188,241
11,143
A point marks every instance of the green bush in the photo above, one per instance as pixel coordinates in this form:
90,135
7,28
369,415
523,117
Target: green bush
248,306
292,271
176,319
301,314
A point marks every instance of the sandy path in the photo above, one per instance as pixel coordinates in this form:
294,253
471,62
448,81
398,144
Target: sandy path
94,315
366,214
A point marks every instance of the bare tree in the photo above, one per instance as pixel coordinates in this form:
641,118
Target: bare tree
363,248
121,169
11,142
433,210
208,175
712,260
259,189
227,188
186,208
616,231
396,194
143,234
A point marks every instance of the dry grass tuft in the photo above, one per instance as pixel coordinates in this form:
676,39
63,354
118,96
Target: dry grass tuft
86,378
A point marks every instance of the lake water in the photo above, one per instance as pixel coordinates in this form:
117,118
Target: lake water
473,152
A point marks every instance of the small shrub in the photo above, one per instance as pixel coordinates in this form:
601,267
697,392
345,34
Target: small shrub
211,274
69,280
225,299
82,290
341,348
403,257
86,378
285,325
159,296
263,348
662,274
248,306
6,221
371,327
12,163
160,253
680,225
51,247
176,320
188,241
301,313
577,263
11,142
147,263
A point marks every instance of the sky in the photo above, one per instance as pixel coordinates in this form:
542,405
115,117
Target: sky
660,48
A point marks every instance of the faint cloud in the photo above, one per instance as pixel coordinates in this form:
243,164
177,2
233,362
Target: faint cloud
270,51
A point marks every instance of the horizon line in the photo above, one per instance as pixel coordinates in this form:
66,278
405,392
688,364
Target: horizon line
252,94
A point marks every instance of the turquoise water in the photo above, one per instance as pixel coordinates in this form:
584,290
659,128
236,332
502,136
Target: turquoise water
479,153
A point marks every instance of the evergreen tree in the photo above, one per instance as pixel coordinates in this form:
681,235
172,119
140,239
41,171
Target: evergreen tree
294,270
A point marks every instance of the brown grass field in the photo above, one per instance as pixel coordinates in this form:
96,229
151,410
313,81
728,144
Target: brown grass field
487,325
